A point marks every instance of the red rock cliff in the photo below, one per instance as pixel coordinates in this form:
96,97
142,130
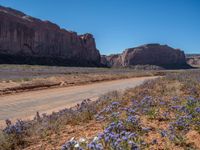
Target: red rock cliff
26,39
149,54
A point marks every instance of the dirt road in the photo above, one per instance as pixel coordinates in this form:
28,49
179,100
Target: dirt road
25,105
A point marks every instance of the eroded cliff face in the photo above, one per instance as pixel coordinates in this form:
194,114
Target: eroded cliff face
149,54
27,39
113,60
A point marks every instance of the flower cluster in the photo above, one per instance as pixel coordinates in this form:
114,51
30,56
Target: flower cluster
115,136
121,134
127,133
111,111
187,117
16,128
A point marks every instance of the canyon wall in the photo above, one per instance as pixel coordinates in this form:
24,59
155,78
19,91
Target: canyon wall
24,39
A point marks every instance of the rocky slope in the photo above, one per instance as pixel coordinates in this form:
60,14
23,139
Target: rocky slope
24,39
150,54
193,60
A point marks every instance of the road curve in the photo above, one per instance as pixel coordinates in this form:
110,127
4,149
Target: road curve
25,105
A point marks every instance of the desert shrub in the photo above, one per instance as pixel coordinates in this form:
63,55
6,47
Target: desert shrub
162,100
158,114
16,136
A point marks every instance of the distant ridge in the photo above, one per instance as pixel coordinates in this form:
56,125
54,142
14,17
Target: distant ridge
148,54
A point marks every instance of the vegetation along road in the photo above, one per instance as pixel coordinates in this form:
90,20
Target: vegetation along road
26,104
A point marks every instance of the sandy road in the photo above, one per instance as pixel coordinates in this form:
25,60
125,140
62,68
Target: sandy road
25,105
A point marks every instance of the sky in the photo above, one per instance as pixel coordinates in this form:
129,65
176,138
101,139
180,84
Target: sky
120,24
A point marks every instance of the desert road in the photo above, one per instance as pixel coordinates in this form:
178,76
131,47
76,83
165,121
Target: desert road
25,105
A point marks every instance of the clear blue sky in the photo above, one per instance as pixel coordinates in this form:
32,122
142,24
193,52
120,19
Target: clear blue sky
120,24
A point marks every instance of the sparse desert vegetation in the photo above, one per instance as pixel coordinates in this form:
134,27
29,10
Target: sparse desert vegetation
160,114
99,75
18,78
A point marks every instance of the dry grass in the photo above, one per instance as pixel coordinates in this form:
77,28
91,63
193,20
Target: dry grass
83,124
19,78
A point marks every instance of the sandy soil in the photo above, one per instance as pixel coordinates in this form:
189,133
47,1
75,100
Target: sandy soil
20,78
25,105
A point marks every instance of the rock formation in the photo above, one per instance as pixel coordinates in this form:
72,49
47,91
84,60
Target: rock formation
24,39
113,60
193,60
149,54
